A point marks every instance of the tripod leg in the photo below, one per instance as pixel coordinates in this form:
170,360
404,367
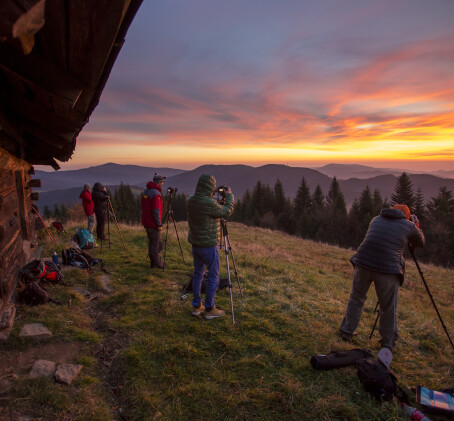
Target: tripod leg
176,232
234,265
229,280
430,295
166,216
376,310
116,224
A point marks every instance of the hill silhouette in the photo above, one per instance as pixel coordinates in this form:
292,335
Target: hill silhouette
239,177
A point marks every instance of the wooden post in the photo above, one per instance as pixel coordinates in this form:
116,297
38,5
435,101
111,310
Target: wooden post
23,211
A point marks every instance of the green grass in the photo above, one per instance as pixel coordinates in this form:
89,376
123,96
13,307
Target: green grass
164,364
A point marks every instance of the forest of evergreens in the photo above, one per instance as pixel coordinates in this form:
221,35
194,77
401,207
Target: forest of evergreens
316,215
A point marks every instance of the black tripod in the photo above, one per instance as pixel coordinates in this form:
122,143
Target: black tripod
168,216
111,214
225,245
410,247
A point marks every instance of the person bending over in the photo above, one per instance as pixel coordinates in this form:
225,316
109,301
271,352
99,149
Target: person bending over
379,259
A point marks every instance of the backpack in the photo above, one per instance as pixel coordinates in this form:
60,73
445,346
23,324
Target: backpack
379,380
37,269
30,290
84,238
338,359
75,257
223,283
33,294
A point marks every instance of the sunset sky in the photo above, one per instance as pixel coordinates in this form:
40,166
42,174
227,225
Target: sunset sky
297,82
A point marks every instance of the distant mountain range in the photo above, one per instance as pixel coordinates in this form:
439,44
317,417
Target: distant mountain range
65,186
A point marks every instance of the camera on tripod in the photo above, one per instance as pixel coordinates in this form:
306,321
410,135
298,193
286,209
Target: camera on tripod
172,190
221,192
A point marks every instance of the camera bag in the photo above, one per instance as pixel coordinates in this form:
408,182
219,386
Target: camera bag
378,380
338,359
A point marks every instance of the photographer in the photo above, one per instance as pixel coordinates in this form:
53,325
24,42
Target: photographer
379,259
100,197
151,204
89,206
204,215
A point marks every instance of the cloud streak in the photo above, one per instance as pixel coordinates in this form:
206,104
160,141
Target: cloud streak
299,75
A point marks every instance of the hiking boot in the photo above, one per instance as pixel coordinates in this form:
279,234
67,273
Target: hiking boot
348,336
197,311
214,313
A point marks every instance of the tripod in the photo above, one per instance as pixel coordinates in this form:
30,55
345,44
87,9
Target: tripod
111,214
410,247
168,215
225,245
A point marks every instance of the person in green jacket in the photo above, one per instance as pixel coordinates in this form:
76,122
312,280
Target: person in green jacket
204,213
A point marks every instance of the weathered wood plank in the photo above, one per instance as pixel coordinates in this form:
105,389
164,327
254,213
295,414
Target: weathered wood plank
6,180
23,211
92,34
10,12
40,73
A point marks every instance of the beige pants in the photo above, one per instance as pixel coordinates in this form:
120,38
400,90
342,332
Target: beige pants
387,288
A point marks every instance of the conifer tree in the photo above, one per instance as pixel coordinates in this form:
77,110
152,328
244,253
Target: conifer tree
440,228
419,208
377,202
64,214
302,202
318,200
46,212
56,213
403,192
279,198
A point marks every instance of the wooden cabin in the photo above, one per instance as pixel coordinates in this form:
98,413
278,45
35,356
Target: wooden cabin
55,59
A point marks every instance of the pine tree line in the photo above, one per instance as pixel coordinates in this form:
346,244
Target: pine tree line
325,218
314,215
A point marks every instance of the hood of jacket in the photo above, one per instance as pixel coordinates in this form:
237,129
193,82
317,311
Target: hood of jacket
98,187
206,185
151,185
390,213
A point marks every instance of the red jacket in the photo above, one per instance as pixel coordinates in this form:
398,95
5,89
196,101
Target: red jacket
152,206
87,202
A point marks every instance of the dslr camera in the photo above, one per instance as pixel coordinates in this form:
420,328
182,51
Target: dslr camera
172,190
222,190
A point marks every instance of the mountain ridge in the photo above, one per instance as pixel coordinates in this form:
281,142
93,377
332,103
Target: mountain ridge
239,177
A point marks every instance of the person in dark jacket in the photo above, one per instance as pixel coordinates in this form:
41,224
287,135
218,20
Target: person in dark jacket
204,215
89,206
379,259
151,204
100,198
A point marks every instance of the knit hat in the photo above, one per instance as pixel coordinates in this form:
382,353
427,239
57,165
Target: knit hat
404,209
158,178
87,187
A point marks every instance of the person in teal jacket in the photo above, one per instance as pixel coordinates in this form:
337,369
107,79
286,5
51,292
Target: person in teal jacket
204,213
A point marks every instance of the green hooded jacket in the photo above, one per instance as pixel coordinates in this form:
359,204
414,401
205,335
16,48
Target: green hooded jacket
204,213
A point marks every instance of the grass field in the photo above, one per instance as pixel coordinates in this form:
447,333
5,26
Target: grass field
146,358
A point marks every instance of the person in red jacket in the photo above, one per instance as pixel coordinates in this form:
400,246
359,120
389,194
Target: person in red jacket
152,218
89,206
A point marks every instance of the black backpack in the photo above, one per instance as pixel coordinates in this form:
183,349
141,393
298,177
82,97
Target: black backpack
223,283
79,258
378,380
33,294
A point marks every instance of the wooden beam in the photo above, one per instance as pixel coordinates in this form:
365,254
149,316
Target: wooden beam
40,73
92,33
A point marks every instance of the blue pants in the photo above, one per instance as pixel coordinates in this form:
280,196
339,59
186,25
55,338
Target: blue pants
205,257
